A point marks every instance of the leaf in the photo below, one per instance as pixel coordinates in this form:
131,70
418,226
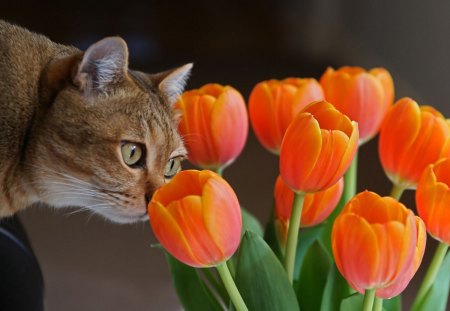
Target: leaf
261,279
250,222
191,290
336,289
306,238
271,239
313,278
355,303
352,303
393,304
328,224
437,296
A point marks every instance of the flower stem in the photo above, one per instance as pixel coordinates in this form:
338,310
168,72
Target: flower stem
291,244
432,271
350,180
232,290
396,192
219,171
378,305
369,297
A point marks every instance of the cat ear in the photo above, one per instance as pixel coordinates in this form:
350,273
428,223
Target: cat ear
172,82
104,64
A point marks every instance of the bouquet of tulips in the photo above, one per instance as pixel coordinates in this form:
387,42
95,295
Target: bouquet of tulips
325,247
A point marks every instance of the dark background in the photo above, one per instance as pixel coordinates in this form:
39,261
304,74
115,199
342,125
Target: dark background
90,264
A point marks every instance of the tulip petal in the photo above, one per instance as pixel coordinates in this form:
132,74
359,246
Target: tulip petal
222,216
398,131
229,126
325,173
261,110
188,213
192,185
169,233
300,150
390,237
356,251
400,283
367,94
426,148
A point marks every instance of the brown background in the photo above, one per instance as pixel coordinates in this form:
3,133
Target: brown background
89,264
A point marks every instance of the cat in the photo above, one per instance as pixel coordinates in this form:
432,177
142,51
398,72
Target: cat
82,129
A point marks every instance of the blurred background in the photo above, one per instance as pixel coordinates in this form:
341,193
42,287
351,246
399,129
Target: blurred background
90,264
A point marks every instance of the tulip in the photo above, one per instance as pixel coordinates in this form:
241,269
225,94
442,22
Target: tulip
364,96
318,147
274,103
378,244
197,218
411,138
214,125
316,206
433,200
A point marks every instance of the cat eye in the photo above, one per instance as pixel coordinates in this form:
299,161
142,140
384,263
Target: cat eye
173,166
132,154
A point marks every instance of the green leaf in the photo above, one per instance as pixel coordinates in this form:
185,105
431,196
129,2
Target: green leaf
328,223
352,303
261,279
192,291
250,222
336,289
306,238
313,278
393,304
437,296
271,239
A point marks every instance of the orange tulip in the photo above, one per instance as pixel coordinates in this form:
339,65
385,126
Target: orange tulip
197,218
214,125
411,138
433,199
377,244
316,206
364,96
274,103
317,148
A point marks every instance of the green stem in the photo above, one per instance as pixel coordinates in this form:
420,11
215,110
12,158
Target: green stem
432,271
350,180
232,290
219,171
291,244
369,297
396,192
378,305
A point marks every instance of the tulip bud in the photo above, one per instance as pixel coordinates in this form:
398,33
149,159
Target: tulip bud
364,96
274,103
214,125
318,148
197,218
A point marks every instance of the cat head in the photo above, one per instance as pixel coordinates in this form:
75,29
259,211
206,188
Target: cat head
108,137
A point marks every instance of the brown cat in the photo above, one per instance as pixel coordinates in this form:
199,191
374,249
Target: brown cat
81,129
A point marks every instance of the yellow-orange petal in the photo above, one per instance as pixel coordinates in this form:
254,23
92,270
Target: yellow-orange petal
167,232
221,211
188,214
300,150
399,284
356,251
229,126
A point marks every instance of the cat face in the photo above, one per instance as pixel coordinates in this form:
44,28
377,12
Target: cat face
108,140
